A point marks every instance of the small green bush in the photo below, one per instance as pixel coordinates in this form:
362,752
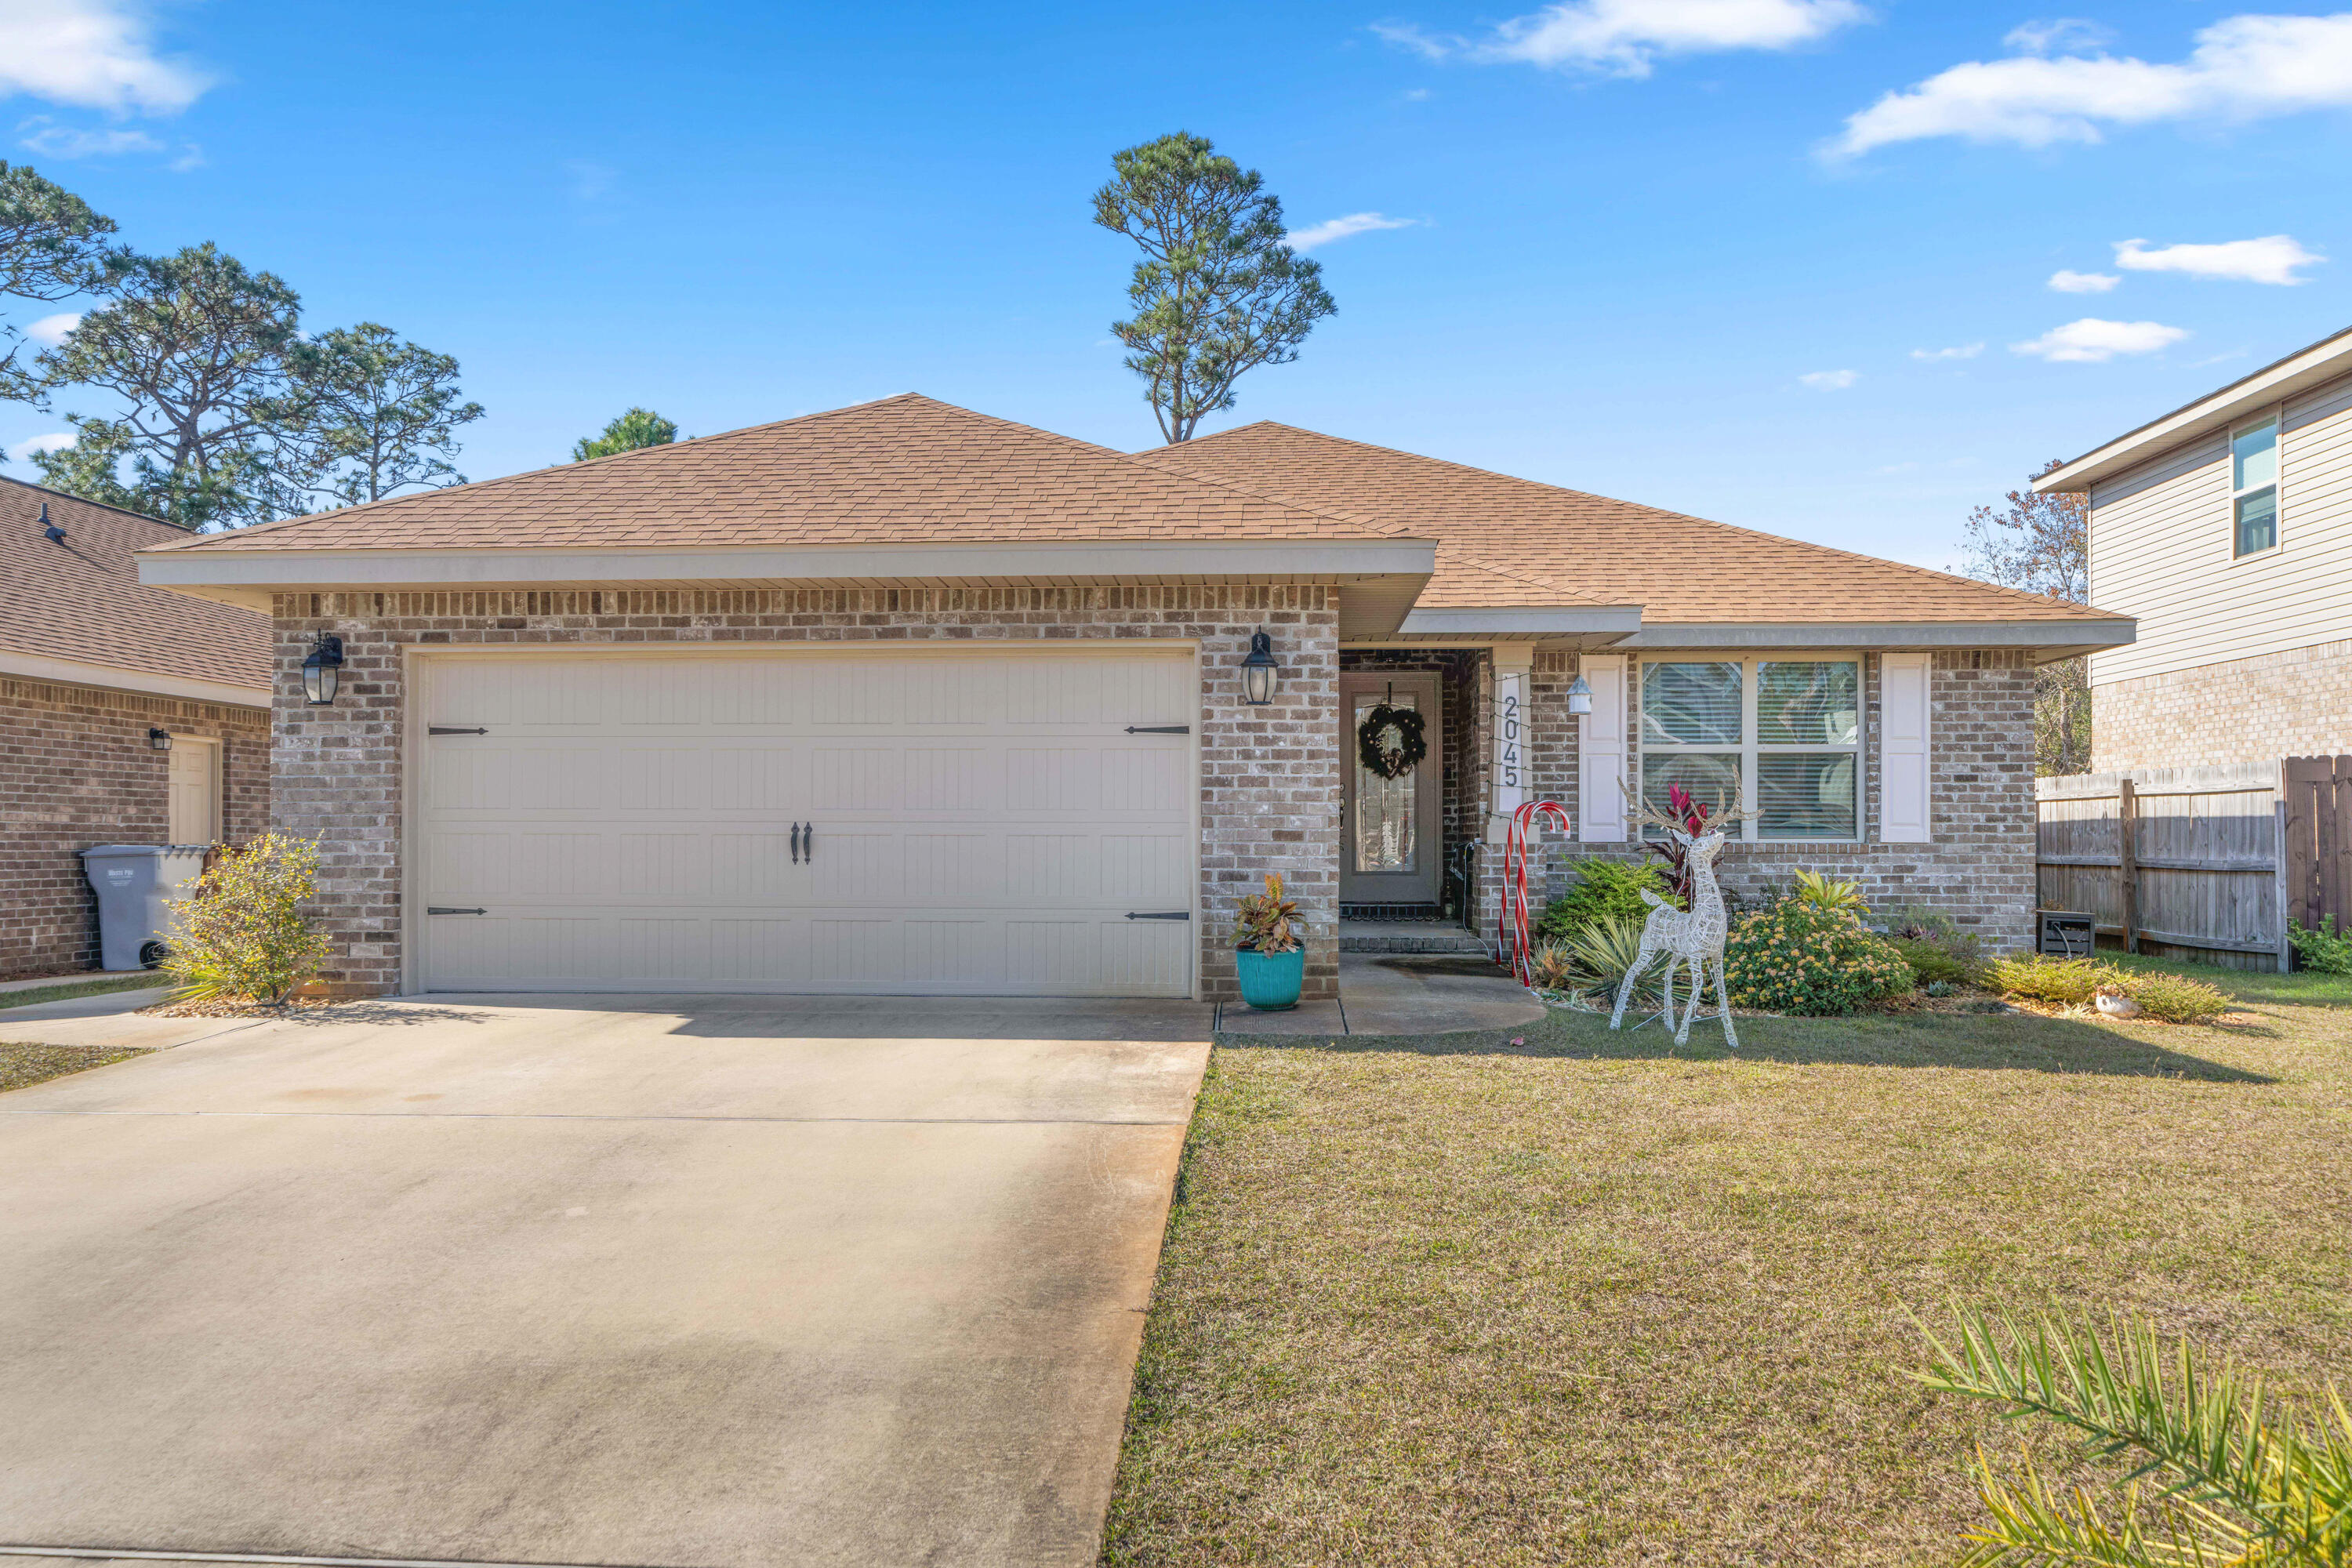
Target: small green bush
1798,957
2174,998
2060,982
1935,965
2323,952
241,932
1593,961
1603,890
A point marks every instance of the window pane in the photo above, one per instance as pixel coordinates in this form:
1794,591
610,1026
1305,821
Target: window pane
2257,520
1809,703
1386,809
1805,795
2253,455
1691,704
1712,778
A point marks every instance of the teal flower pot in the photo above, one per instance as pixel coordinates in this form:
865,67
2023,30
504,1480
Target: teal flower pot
1271,981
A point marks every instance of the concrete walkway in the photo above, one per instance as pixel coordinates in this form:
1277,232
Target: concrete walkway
710,1284
1400,994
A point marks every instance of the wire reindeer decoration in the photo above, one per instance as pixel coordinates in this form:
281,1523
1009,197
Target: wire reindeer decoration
1693,937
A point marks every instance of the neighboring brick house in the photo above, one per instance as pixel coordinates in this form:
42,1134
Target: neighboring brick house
901,698
2225,529
94,667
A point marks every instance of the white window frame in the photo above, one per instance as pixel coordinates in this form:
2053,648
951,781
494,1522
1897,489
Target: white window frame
2275,417
1750,747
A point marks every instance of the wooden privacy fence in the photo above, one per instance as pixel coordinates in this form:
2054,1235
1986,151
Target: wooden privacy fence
2186,862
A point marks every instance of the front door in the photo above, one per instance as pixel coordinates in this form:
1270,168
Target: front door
1391,850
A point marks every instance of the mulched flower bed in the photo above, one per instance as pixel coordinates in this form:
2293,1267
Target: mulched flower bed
222,1007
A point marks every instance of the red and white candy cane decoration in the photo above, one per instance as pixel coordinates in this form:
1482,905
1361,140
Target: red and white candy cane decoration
1515,878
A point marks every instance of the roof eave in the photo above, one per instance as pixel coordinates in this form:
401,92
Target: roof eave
2299,371
2049,638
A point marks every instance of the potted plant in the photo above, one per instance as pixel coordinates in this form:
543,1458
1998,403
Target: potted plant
1266,949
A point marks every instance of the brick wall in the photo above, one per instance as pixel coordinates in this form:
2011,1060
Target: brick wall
1270,776
2292,704
1979,869
79,771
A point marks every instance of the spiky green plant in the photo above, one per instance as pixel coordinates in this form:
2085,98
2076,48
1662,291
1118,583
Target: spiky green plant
1592,961
1819,890
2202,1468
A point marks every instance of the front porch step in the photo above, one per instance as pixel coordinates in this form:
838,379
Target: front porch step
1406,936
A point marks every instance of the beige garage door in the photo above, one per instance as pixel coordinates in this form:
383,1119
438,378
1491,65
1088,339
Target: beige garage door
976,822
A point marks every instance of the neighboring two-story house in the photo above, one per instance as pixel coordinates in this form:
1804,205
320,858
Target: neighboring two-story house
2225,529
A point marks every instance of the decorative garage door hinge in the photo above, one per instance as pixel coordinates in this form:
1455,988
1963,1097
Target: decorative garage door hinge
451,909
1160,729
1161,915
451,730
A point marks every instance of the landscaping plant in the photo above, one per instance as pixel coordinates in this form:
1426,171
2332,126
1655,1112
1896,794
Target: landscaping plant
1603,890
241,933
2200,1466
1593,961
1800,958
1936,949
1816,888
2327,950
2073,981
1683,812
1264,921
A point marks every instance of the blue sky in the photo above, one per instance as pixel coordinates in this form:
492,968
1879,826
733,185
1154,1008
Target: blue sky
1688,252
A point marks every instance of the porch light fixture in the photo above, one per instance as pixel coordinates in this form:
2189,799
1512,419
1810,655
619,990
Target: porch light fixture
1258,671
324,670
1579,696
160,739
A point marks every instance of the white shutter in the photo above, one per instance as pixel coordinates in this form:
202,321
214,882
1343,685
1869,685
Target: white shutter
1600,774
1904,683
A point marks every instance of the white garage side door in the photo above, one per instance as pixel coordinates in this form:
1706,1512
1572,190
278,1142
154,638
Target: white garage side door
979,822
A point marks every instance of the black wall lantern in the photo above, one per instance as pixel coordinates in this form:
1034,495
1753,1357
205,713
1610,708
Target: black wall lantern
324,670
1258,671
160,739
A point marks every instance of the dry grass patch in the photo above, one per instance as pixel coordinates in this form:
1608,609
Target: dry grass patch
24,1064
1599,1300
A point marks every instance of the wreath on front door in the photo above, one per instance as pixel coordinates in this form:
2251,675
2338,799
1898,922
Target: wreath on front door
1391,742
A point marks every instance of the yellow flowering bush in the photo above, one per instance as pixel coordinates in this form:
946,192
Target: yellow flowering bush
241,932
1798,956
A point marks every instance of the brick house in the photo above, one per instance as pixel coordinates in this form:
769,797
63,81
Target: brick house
2222,527
901,698
95,669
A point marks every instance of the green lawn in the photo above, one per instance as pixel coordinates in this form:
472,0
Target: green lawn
1600,1300
68,990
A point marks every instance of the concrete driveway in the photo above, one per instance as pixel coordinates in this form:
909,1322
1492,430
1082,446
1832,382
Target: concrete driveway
700,1284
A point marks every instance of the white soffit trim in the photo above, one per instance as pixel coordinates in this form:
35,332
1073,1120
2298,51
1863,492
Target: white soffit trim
2300,371
1531,621
75,672
2084,633
297,571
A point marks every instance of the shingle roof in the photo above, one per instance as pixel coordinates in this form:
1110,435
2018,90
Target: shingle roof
1679,569
904,471
82,600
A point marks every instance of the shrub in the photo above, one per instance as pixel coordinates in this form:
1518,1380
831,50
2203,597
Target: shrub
2325,951
1593,961
1934,965
1604,890
241,932
2061,982
2073,982
1798,957
1816,888
2174,998
1935,947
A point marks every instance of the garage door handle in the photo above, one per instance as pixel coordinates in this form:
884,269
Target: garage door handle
1161,915
796,843
1160,729
452,730
808,842
446,910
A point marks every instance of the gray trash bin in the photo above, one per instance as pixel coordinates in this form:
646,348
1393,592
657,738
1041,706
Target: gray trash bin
132,881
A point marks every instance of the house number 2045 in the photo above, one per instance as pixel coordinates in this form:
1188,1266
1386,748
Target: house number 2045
1510,693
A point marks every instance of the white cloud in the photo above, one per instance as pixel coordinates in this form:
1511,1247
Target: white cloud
2070,282
1830,379
56,442
1347,228
93,54
1625,37
2057,33
1965,351
51,139
2093,342
52,330
2243,67
1416,95
2270,260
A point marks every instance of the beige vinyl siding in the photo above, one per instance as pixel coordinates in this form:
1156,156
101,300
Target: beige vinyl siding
2160,548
